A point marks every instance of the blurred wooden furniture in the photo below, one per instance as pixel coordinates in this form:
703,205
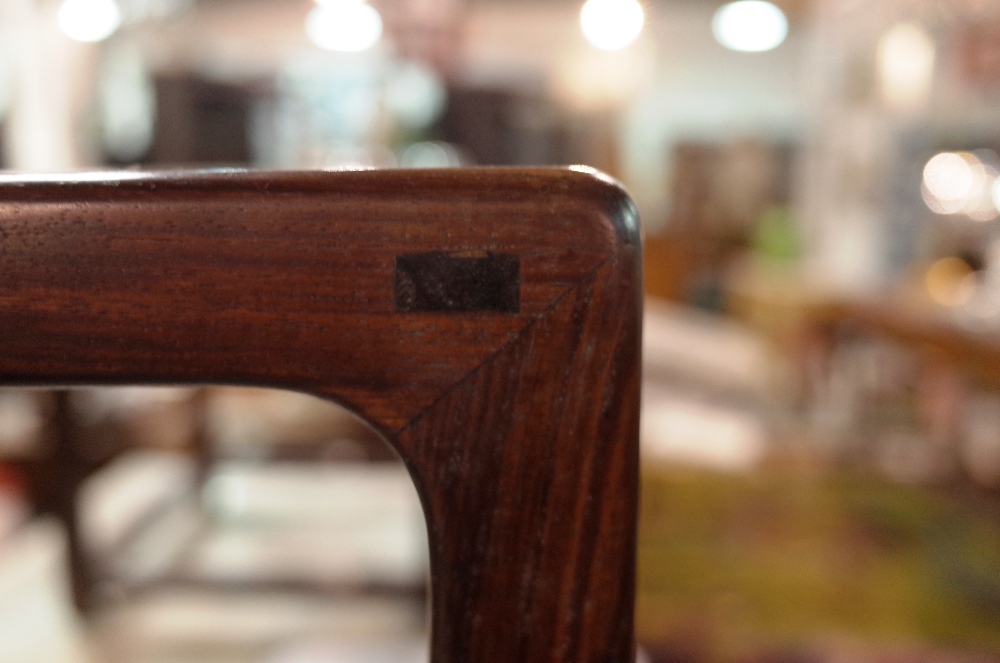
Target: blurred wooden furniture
486,322
925,329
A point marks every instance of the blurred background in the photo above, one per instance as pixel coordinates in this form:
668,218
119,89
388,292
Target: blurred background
819,185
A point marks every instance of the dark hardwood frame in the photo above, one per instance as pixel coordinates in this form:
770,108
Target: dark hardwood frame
518,421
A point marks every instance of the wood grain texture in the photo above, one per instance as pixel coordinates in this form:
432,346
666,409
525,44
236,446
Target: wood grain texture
520,429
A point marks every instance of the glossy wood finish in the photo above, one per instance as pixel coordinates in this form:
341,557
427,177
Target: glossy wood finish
519,424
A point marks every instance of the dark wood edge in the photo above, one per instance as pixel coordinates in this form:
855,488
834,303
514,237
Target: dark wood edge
527,465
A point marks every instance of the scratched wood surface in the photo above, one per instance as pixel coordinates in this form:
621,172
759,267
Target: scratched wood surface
486,322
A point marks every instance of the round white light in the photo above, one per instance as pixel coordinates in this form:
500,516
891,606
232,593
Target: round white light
611,25
89,20
415,95
750,25
344,25
949,177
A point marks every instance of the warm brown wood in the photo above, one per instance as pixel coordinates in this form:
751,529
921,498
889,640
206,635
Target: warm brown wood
68,467
926,329
519,425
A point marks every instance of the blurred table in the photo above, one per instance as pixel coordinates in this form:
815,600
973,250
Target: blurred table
927,330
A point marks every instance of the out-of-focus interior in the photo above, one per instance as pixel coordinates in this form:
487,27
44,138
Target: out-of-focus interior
819,187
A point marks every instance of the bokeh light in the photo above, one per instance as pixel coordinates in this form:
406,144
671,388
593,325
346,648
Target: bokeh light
348,26
611,25
89,20
415,95
429,154
948,181
979,205
950,281
906,56
960,183
995,193
750,26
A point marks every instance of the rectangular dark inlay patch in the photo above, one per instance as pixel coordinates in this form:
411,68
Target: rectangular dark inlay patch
448,283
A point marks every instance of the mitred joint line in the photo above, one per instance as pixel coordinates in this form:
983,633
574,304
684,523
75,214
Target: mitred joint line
524,330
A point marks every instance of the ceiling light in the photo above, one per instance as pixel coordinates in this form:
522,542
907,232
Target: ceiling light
906,66
89,20
750,25
348,26
611,25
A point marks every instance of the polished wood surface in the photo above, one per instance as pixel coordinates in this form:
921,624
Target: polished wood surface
486,322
